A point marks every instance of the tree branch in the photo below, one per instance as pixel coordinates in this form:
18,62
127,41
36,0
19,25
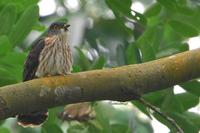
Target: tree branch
107,84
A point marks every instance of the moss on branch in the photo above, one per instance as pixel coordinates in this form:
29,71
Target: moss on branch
121,84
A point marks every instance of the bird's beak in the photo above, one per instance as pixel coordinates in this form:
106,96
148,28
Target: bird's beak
66,26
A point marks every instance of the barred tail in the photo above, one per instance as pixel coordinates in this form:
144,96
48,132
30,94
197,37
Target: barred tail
33,119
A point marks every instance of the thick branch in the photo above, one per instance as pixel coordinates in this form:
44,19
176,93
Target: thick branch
111,84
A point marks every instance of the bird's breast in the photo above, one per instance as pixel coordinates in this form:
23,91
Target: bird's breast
55,59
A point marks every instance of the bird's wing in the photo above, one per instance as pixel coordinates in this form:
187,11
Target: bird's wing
32,60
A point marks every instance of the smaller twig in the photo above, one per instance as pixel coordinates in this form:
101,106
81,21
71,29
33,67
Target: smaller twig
157,110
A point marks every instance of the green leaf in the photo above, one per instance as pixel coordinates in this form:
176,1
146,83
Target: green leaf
4,130
157,37
170,36
192,87
188,15
187,100
7,76
166,52
84,62
182,3
125,9
183,29
5,45
13,58
187,125
114,119
24,25
172,104
153,10
185,11
117,5
2,122
142,108
147,51
193,117
181,120
101,117
51,128
94,126
170,4
11,68
39,27
27,3
6,79
157,98
7,17
145,44
99,63
77,127
171,49
76,68
52,116
120,128
132,54
165,122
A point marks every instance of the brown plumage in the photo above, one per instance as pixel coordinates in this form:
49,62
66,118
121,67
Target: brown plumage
50,55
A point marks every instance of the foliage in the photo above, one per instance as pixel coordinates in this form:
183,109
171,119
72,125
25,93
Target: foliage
125,37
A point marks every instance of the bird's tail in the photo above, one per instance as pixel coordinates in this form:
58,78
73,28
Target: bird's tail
33,119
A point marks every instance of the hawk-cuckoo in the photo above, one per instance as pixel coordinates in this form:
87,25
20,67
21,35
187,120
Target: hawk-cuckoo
50,55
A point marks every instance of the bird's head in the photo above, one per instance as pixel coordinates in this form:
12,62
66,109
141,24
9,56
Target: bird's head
58,28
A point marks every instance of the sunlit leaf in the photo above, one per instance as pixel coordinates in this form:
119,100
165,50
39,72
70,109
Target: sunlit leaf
99,63
187,100
101,117
192,87
170,4
13,58
193,117
77,127
172,104
157,98
24,25
7,18
183,28
4,130
142,108
125,9
153,10
51,128
5,45
185,11
52,116
120,128
84,61
132,54
187,125
146,51
76,68
171,49
39,27
10,74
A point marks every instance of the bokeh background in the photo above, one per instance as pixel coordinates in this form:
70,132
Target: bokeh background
105,34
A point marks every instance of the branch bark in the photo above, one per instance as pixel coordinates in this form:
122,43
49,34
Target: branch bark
108,84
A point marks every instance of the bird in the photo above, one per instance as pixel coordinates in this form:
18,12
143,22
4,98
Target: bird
49,56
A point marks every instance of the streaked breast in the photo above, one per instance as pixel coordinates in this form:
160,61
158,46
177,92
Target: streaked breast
55,59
